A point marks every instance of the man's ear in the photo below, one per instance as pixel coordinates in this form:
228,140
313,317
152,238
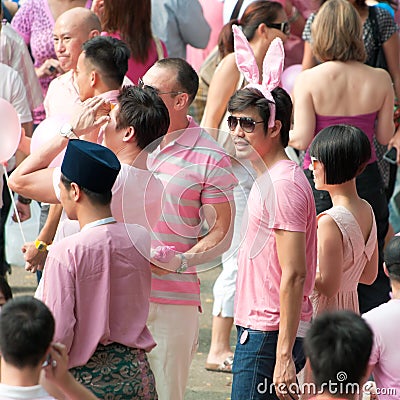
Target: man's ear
94,78
129,134
93,33
181,101
276,129
75,192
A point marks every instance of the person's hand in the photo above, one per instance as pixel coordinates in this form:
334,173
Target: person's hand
24,212
50,67
56,368
90,116
285,378
34,259
161,268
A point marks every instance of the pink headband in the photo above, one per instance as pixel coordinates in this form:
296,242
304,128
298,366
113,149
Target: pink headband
272,67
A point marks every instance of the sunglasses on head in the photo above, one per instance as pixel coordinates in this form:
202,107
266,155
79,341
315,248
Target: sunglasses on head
246,123
283,27
141,85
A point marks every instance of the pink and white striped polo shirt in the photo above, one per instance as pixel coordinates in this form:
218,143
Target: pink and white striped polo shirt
194,170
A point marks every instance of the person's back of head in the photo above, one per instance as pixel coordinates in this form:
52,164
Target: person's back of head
187,79
93,169
253,98
132,20
338,345
145,111
344,150
392,258
337,33
26,332
109,56
256,13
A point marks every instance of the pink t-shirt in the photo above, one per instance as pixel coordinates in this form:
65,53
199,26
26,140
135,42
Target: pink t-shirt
194,170
97,285
35,23
136,69
62,96
136,199
279,199
385,355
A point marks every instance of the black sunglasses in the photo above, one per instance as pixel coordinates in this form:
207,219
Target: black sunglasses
246,123
283,27
142,85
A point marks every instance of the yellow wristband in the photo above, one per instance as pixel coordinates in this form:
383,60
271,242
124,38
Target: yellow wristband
41,246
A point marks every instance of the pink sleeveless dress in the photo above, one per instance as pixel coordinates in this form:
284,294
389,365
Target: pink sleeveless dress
356,254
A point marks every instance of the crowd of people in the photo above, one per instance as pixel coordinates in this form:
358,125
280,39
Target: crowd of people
283,189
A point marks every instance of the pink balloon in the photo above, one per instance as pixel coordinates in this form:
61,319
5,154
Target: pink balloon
45,131
10,130
289,76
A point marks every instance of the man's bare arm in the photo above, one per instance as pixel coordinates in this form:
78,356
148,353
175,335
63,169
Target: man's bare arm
291,248
218,239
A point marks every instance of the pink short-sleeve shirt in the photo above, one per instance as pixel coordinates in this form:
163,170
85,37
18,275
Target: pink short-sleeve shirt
279,199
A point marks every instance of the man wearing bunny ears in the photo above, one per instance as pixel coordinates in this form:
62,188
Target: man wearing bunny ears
277,258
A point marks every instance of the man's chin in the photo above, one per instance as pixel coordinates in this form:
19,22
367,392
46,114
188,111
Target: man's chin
65,67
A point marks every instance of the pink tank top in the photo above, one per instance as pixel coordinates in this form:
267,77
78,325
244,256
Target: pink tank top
366,122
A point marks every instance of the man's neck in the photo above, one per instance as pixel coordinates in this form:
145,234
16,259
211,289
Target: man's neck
268,160
13,376
89,214
132,155
178,123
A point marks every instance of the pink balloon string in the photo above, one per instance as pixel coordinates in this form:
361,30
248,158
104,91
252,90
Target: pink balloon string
13,203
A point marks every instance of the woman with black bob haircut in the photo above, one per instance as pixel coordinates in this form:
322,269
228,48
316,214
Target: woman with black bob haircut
343,90
347,235
343,152
347,238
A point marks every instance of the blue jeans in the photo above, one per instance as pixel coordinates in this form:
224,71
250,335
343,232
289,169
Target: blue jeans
254,364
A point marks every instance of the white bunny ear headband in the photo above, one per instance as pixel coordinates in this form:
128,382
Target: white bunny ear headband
272,67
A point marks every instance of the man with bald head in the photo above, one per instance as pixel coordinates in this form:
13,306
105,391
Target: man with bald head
71,30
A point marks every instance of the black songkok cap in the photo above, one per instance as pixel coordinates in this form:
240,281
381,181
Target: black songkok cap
90,165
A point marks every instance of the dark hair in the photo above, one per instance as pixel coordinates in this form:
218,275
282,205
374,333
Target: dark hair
344,150
392,258
26,331
145,111
132,20
256,13
110,56
101,199
338,345
5,288
186,77
250,97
